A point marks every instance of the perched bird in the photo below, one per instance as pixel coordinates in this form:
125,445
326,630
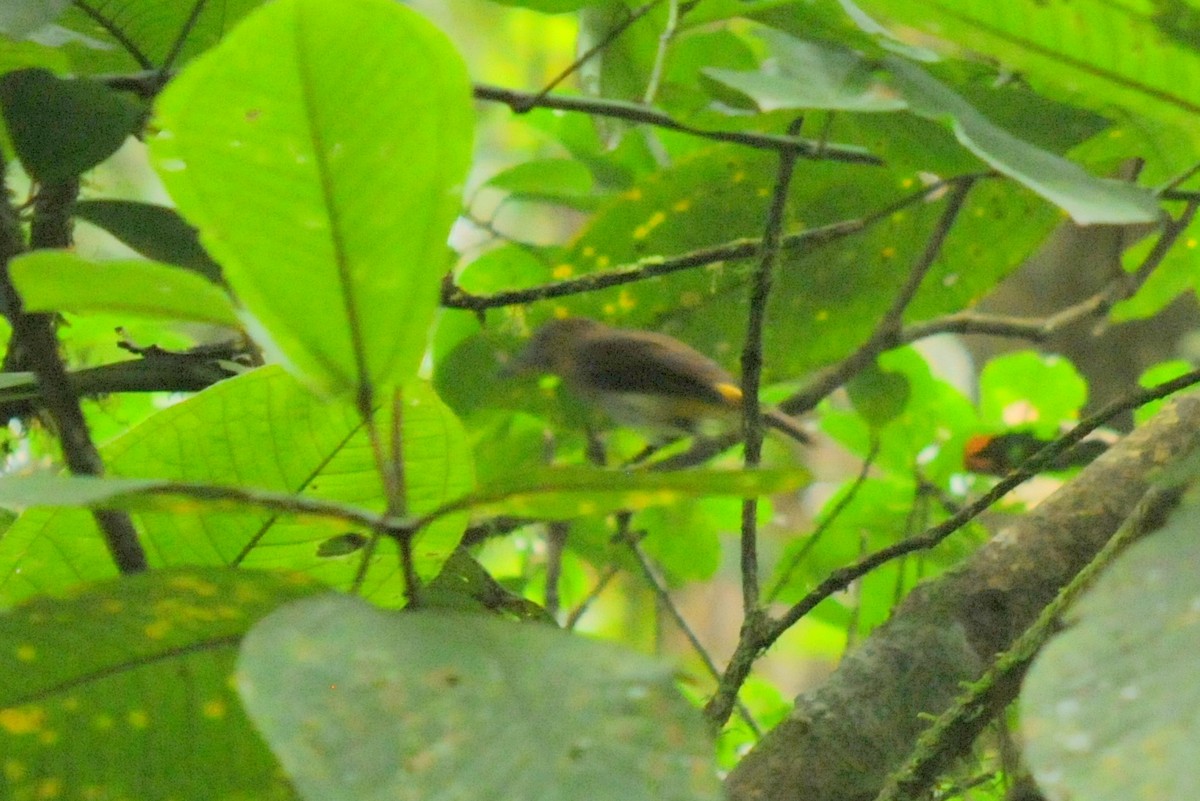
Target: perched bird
643,379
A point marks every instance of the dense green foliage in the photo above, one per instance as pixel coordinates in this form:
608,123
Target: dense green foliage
322,228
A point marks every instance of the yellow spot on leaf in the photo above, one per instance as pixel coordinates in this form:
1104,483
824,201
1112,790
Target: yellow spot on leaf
1191,243
588,251
633,194
48,737
26,653
562,271
738,177
22,719
682,205
762,191
906,183
214,709
196,585
889,252
14,771
690,299
71,703
112,606
49,788
158,629
138,718
626,300
822,315
561,312
103,722
603,261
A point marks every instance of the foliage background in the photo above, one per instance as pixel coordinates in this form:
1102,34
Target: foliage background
928,222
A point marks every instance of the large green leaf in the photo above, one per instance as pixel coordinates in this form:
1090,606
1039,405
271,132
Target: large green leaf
1133,62
825,299
61,128
325,185
122,690
61,281
261,430
364,705
1110,708
818,75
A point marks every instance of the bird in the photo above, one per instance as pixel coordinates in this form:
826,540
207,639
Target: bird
643,379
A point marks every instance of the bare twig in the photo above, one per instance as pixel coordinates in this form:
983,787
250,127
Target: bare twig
521,102
609,37
827,522
454,297
760,293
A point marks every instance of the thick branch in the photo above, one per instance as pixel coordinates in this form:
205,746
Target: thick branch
845,737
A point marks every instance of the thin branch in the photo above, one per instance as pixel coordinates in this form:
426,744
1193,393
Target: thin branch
827,521
454,297
760,293
719,706
1040,329
660,53
601,585
586,56
887,333
522,102
840,579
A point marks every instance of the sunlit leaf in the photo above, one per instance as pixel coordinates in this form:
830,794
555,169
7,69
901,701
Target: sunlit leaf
328,215
61,281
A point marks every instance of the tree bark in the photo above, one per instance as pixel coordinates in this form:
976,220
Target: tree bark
843,738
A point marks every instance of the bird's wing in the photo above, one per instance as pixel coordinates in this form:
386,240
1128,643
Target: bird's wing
652,364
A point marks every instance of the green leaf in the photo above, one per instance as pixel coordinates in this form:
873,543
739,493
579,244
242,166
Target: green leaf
156,232
1031,390
564,181
262,430
62,128
61,281
329,217
363,705
1092,69
1118,683
129,35
1087,199
813,75
817,75
122,690
878,395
